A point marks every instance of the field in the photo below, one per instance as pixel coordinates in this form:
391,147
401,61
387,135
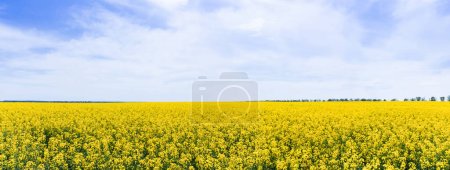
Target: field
322,135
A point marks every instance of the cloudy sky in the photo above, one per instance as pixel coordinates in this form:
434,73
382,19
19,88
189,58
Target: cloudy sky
152,50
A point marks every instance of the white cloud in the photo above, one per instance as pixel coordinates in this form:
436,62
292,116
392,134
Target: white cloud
169,4
18,41
254,26
297,49
407,8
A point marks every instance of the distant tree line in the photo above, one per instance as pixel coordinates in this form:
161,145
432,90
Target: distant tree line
365,99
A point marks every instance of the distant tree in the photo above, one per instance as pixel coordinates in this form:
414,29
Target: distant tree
393,100
442,99
448,98
418,98
406,100
433,99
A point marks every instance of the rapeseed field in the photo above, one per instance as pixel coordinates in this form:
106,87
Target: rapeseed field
316,135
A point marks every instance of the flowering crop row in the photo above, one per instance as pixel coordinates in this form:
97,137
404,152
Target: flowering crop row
353,135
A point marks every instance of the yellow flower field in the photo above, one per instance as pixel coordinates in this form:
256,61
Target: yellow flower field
322,135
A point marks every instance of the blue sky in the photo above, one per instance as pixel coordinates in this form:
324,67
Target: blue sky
152,50
47,15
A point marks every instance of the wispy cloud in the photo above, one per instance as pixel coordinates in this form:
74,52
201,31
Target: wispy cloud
152,50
